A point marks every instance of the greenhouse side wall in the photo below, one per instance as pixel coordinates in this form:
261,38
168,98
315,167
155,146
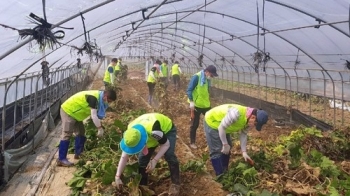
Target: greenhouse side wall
30,118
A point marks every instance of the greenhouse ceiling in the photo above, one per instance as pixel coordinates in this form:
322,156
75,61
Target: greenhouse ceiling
275,36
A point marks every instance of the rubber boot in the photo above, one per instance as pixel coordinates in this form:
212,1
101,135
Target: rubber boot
217,165
174,188
225,158
79,146
144,176
62,154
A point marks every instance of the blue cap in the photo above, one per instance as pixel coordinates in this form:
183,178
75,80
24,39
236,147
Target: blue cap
134,140
261,118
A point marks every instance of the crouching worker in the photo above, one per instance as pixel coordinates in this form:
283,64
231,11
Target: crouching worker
143,135
223,120
73,111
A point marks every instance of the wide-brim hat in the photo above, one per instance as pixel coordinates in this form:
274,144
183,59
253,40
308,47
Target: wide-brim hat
134,140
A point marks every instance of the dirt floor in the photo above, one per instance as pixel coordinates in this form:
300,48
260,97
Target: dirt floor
135,91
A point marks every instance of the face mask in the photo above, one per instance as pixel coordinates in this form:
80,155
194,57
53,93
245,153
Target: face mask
208,77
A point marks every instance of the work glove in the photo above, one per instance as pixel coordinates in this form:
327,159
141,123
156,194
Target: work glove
247,158
151,165
191,105
118,182
225,149
100,132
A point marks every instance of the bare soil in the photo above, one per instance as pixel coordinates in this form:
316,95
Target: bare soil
135,93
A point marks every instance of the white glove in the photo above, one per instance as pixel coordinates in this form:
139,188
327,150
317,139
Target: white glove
226,149
100,132
245,156
151,165
192,105
118,182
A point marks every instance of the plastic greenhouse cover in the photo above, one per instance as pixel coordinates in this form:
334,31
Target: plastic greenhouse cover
228,28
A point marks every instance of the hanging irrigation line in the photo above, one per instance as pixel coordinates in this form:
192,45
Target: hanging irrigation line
170,48
15,78
144,18
182,37
53,26
308,14
191,12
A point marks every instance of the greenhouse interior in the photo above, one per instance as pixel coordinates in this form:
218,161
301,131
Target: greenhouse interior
289,59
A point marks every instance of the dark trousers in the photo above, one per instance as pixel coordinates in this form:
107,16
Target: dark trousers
151,88
169,157
195,122
176,80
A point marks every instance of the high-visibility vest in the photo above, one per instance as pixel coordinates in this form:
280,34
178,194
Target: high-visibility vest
148,120
77,106
214,117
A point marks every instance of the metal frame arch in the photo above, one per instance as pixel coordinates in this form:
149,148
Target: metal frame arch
222,32
286,40
303,51
308,14
226,46
198,35
157,43
168,44
191,47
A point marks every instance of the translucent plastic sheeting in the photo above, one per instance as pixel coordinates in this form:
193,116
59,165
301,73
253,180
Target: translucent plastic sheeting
230,29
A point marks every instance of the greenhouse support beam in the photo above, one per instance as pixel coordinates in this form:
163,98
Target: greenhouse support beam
53,26
157,43
190,40
176,42
218,42
285,39
144,18
308,14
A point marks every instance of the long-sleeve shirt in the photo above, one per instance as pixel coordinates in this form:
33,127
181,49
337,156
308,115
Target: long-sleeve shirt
232,116
192,85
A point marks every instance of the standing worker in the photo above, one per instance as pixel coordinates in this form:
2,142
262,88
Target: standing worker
117,68
151,83
73,111
198,95
175,73
223,120
108,79
143,136
165,71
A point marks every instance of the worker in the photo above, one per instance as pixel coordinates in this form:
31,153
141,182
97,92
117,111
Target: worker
198,96
143,136
165,75
223,120
117,68
109,77
151,83
73,111
175,73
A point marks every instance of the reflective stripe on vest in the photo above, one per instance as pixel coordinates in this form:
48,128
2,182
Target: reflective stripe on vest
214,117
77,107
148,120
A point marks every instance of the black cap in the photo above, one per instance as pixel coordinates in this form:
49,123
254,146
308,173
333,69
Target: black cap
212,70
